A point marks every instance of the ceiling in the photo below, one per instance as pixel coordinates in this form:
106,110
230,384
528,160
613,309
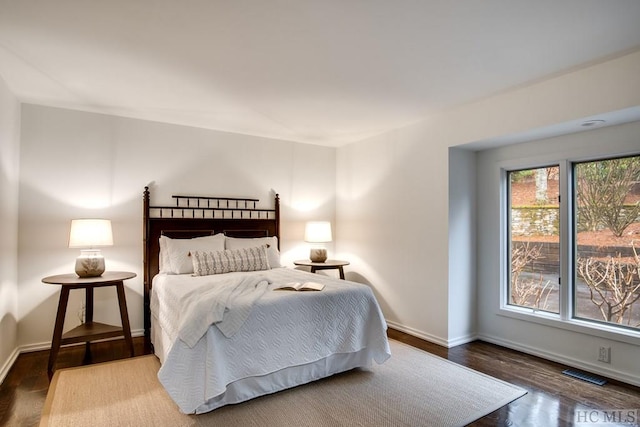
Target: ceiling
325,72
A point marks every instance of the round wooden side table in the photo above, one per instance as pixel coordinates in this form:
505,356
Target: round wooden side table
330,264
89,330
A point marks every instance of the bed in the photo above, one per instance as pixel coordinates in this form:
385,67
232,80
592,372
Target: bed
222,333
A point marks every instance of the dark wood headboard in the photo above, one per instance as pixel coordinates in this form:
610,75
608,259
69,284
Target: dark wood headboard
194,216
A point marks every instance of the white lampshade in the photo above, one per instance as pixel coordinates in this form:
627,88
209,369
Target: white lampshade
317,232
90,233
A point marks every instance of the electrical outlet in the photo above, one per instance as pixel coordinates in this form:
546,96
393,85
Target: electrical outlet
604,354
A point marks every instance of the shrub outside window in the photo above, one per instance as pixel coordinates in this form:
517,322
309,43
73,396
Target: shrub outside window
604,243
607,241
534,238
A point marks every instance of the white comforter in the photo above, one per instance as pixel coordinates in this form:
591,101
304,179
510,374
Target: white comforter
225,304
282,329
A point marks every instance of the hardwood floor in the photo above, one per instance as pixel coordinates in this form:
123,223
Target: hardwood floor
552,399
23,391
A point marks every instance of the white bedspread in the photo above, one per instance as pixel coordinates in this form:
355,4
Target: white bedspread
225,304
283,329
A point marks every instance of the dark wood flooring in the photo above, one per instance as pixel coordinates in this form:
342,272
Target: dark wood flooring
553,399
23,391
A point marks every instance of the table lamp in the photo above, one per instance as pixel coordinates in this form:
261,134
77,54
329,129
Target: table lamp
89,234
317,232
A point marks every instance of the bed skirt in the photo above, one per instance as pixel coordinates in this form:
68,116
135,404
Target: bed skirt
252,387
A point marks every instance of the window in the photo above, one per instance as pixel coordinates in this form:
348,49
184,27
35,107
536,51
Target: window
607,241
534,238
601,251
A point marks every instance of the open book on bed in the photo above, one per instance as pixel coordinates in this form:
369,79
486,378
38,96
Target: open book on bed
297,286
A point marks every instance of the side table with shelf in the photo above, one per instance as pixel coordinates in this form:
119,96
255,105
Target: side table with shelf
89,330
330,264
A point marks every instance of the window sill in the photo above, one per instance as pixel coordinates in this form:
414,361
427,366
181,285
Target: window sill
573,325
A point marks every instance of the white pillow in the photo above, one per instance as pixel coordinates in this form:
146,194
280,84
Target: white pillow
272,247
217,262
163,262
175,252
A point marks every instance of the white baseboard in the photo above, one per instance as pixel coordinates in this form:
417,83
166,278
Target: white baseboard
416,333
46,345
432,338
28,348
462,340
555,357
8,364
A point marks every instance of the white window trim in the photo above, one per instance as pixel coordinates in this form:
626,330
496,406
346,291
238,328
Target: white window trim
563,320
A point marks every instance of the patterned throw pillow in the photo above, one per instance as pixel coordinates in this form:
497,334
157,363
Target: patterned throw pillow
206,263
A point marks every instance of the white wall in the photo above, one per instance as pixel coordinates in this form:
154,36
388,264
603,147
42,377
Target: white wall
396,192
575,346
462,240
392,226
9,164
75,164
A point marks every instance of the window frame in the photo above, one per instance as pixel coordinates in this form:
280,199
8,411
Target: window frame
573,210
509,242
565,319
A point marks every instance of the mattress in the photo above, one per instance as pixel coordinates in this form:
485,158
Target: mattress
289,338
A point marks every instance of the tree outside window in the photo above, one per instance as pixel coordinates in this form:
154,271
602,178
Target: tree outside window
607,223
535,238
605,284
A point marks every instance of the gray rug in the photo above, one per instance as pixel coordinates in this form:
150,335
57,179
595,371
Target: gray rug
413,388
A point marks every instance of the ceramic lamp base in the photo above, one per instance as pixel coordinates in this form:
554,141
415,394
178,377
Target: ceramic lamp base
318,255
90,264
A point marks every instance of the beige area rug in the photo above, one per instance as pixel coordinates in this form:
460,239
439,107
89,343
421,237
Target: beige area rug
413,388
